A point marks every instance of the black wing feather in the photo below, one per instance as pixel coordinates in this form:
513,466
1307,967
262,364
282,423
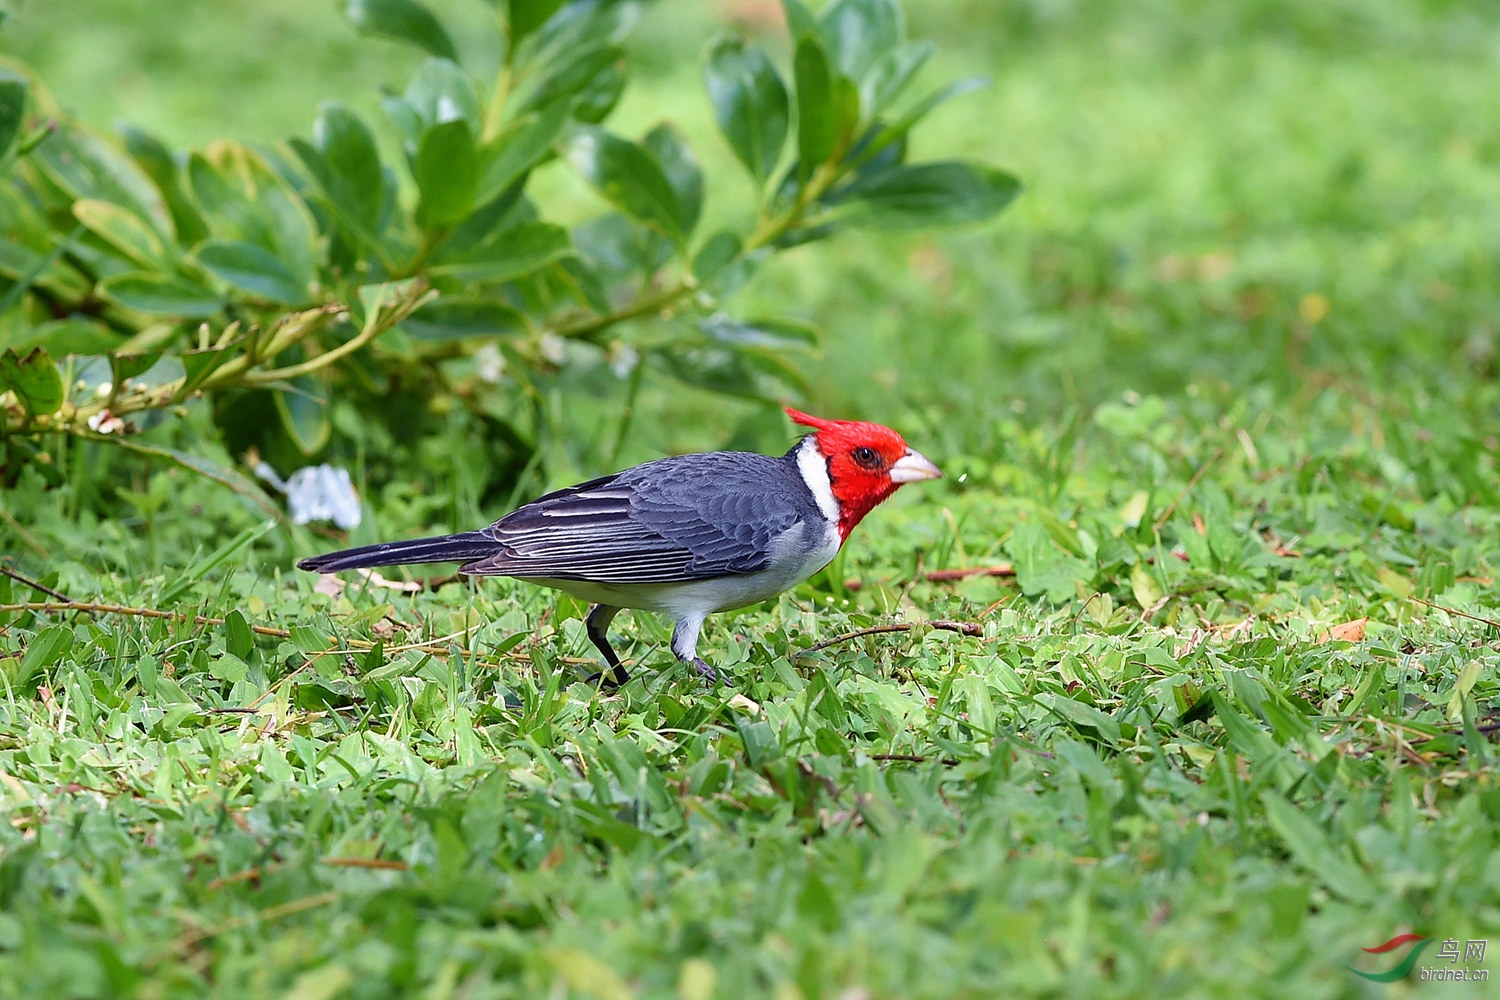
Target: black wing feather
672,520
669,521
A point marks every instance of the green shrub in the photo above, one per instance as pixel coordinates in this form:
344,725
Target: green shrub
284,282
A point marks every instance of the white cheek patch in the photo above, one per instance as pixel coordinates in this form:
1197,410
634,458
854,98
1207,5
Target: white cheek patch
814,469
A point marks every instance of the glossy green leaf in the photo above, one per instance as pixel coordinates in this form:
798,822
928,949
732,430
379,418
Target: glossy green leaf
799,19
406,120
597,98
304,413
626,175
125,367
441,92
27,267
750,104
508,254
716,254
845,113
739,271
13,91
33,377
581,283
577,28
291,231
891,73
525,16
161,294
350,165
749,373
75,336
403,21
619,248
85,166
817,118
222,203
571,77
251,269
771,334
483,223
157,161
945,193
898,130
454,318
122,230
681,169
447,174
526,143
243,198
859,32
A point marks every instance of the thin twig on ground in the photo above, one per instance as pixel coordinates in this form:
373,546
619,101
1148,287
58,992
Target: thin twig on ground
32,583
949,575
914,758
93,607
1454,611
965,628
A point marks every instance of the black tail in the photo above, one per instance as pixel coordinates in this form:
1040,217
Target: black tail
462,547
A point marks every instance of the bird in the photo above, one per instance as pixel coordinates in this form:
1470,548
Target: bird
687,535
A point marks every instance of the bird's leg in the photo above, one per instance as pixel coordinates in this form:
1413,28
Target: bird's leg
597,625
685,647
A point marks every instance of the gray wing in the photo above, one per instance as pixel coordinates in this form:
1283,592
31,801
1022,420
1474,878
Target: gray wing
668,521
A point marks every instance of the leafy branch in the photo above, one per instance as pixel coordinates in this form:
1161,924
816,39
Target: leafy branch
141,277
34,399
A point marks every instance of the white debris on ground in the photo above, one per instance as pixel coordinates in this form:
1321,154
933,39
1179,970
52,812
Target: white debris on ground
317,493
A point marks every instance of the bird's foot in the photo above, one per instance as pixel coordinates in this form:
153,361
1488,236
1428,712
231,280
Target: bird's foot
708,673
610,680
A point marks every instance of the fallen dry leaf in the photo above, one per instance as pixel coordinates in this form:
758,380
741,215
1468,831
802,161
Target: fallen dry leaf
1351,631
1239,629
330,585
1192,642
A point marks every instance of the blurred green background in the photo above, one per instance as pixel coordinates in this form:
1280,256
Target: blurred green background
1219,195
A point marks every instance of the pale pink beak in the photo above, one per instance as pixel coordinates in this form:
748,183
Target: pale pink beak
913,468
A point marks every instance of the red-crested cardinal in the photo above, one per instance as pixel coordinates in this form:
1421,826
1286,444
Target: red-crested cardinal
688,535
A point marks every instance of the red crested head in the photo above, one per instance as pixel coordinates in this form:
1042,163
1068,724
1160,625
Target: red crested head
866,463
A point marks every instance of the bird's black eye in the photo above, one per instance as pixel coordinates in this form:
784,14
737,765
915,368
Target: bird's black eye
867,457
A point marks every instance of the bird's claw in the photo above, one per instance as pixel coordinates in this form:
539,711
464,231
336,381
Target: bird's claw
708,673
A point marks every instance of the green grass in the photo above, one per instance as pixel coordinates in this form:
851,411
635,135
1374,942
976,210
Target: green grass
1221,382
